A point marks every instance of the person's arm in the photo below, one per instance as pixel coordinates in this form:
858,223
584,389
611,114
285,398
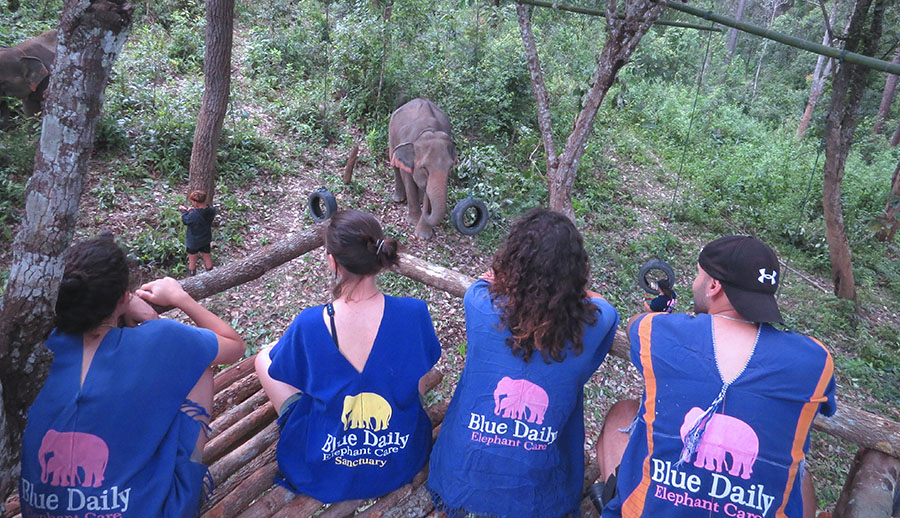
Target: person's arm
594,295
138,312
168,292
487,276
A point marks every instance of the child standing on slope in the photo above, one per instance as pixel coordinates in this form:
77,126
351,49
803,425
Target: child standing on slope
198,236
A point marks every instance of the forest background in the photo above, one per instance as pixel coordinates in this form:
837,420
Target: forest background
676,157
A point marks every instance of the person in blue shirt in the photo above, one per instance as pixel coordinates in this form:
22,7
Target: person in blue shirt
118,428
723,426
512,441
345,376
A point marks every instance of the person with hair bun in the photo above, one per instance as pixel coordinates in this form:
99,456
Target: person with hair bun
345,376
512,441
121,421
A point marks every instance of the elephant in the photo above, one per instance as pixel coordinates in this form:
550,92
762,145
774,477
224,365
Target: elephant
361,409
70,451
723,434
25,70
520,399
422,153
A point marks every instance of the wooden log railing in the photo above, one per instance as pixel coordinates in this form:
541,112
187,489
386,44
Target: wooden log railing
241,448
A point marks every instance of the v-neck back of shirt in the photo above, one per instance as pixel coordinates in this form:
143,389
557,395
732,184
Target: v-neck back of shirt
340,350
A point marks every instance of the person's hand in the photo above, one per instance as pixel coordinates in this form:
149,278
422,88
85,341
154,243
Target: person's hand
138,311
488,276
163,292
647,307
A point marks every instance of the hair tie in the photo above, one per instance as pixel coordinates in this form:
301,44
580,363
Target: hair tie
379,244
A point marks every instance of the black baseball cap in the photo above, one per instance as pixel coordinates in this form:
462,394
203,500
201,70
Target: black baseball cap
749,272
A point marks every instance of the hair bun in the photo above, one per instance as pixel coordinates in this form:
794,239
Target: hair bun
388,255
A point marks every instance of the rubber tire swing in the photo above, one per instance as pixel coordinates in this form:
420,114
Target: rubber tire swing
322,205
458,216
654,264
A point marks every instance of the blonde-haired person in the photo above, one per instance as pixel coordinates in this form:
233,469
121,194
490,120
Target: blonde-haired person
345,376
198,235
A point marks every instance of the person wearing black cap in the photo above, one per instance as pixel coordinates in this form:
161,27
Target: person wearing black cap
722,428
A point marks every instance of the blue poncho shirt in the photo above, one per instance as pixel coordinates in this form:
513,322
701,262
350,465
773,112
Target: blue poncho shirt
512,441
119,445
352,434
749,458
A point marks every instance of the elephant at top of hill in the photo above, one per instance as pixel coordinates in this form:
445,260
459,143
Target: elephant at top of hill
422,153
25,70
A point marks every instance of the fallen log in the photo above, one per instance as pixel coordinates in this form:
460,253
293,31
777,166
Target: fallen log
390,500
246,492
251,267
223,487
230,463
236,413
341,509
232,373
270,503
870,486
236,393
250,424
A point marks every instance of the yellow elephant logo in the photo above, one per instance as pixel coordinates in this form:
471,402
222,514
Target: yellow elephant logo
360,410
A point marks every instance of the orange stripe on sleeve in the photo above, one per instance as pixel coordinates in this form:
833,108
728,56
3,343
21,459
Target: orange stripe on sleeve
803,425
633,506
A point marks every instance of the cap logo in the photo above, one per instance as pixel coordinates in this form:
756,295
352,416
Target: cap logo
763,276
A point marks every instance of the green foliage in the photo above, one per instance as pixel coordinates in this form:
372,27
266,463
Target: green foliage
160,244
17,148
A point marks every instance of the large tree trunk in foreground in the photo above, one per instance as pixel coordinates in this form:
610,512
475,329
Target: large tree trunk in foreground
91,34
840,124
217,85
622,37
891,217
887,97
820,74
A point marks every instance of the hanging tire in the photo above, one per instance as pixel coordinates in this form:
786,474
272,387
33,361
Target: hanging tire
322,205
465,225
654,264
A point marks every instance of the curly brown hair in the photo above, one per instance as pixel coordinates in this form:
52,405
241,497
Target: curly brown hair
540,277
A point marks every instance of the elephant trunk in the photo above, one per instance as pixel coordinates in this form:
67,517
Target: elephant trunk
434,204
497,402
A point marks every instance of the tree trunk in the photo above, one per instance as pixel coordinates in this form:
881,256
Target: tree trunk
891,219
820,74
733,33
887,97
217,84
840,124
523,13
622,37
91,34
869,489
896,138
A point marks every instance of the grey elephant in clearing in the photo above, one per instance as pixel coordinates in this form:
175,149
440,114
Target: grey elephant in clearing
25,70
422,152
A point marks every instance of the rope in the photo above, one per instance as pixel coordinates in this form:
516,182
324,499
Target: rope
687,139
800,214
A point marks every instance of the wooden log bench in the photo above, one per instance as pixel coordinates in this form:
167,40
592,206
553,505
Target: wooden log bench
241,457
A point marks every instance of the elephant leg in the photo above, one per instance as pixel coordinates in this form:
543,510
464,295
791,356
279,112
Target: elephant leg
399,189
423,229
413,199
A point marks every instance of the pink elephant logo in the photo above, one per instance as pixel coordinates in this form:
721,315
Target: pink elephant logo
519,399
62,453
723,434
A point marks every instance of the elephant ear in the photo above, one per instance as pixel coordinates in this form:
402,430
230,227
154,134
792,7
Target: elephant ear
34,71
404,157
